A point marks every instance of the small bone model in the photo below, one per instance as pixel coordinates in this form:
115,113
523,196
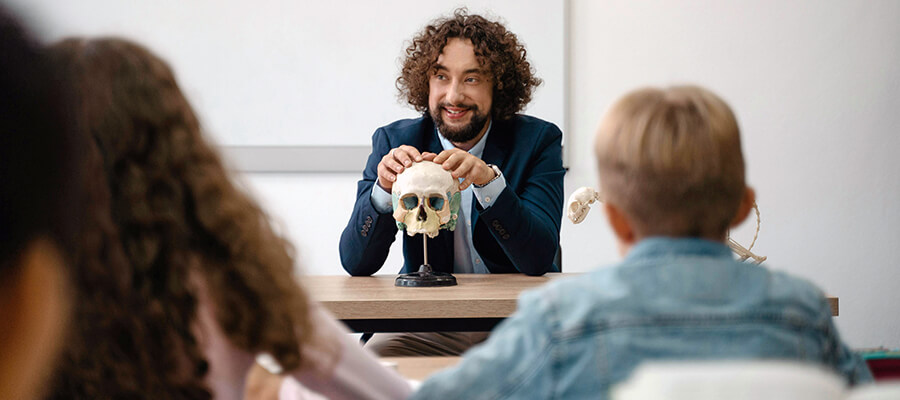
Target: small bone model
580,203
426,199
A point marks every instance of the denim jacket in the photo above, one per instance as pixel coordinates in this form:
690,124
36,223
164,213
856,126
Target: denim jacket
669,299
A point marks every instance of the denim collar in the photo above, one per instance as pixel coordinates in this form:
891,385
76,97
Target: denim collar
659,246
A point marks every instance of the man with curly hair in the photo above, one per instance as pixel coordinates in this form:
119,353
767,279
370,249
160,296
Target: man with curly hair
470,78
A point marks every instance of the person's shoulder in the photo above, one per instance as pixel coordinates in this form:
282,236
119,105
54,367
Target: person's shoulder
406,125
528,123
525,134
794,292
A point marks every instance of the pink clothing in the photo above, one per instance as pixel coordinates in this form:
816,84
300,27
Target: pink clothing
356,375
343,370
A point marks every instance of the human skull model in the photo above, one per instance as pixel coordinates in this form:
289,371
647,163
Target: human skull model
426,199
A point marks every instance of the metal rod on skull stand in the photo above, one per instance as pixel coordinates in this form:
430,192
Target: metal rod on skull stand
426,276
425,249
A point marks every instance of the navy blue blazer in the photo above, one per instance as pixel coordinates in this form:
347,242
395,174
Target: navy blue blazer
518,233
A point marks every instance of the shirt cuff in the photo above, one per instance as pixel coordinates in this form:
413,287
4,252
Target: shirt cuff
487,194
381,200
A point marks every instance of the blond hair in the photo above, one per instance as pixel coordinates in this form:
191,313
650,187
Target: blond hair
671,160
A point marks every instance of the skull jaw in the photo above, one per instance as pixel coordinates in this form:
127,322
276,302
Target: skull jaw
431,232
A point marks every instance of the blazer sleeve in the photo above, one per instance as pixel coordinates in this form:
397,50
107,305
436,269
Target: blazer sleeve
367,238
526,222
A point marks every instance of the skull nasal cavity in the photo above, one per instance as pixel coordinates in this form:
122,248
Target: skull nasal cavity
421,216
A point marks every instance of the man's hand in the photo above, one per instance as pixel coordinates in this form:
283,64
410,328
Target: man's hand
394,162
461,164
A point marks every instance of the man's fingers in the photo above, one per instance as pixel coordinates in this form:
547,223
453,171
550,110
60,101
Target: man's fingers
460,164
451,163
428,156
444,155
392,164
404,158
407,155
465,183
386,175
462,169
413,152
395,162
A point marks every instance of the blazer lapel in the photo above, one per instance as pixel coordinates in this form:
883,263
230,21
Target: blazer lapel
433,143
494,153
494,149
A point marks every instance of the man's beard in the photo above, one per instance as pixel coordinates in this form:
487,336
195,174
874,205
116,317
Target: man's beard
462,134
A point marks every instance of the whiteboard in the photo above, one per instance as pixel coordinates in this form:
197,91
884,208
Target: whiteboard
297,73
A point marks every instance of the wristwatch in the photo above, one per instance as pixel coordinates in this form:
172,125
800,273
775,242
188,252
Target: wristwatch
496,175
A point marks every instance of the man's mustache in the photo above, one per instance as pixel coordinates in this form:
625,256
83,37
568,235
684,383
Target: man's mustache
471,107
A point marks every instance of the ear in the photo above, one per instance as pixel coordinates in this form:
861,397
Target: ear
747,201
620,226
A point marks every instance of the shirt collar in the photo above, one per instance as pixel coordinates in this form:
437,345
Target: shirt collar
477,150
653,247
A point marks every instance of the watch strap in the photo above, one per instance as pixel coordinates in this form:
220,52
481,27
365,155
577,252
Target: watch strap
497,173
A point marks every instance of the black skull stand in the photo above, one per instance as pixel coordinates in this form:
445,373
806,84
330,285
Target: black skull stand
426,277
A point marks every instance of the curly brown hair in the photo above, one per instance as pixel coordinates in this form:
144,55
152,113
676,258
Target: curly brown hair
497,49
175,214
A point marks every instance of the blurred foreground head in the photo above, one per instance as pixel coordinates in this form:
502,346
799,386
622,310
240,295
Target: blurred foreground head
39,205
670,163
182,224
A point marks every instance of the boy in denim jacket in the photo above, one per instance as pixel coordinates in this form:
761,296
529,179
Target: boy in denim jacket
672,176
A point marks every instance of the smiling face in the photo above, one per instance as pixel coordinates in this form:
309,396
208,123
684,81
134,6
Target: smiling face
460,93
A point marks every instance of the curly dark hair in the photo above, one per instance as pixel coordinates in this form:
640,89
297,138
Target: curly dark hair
174,214
498,49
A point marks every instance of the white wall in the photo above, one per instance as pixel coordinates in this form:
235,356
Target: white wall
816,88
295,73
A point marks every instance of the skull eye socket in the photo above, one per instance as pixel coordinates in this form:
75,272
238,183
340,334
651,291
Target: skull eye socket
410,201
436,202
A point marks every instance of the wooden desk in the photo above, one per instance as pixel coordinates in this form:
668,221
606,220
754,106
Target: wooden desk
478,303
374,304
419,368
